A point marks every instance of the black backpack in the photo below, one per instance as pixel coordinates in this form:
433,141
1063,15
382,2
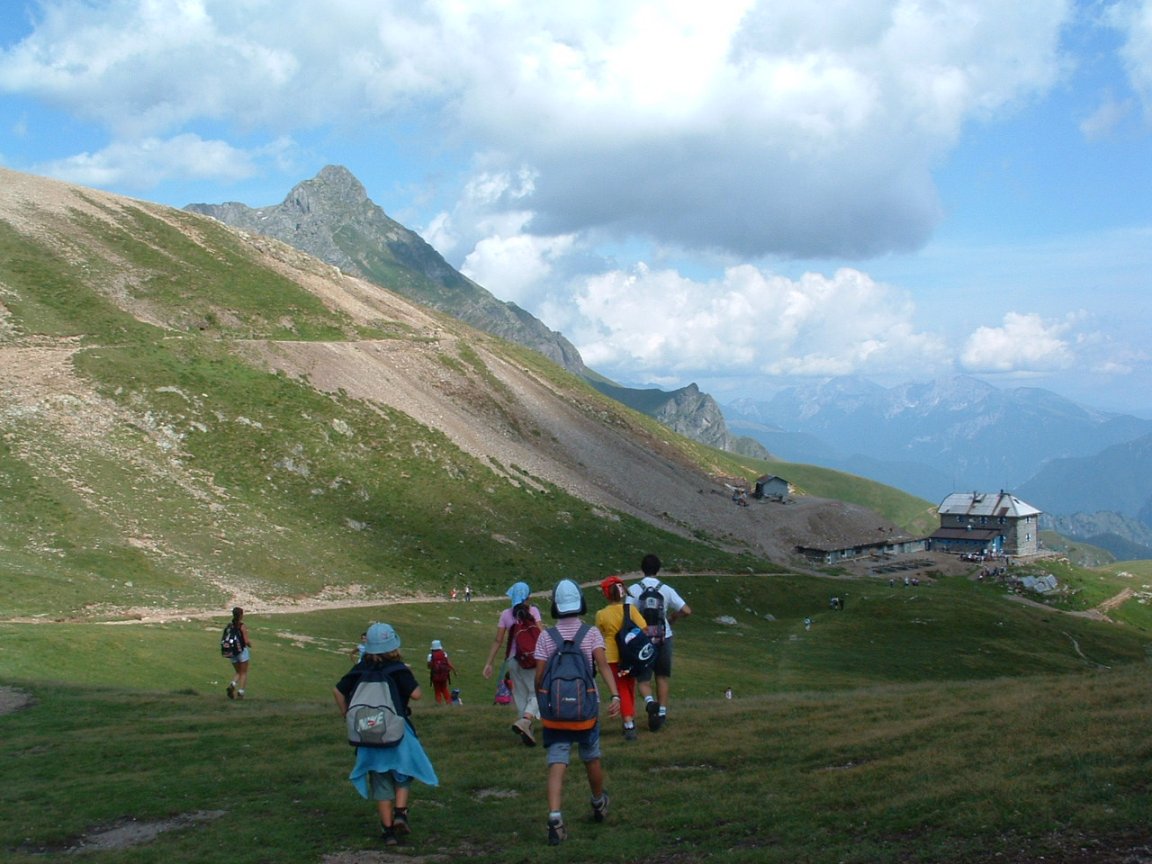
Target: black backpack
637,653
375,715
651,606
567,693
231,641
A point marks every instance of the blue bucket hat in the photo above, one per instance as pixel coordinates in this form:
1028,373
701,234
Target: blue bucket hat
518,593
381,639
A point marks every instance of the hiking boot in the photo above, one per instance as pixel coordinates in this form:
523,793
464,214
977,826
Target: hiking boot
231,691
655,718
557,833
388,835
629,733
400,822
600,810
523,728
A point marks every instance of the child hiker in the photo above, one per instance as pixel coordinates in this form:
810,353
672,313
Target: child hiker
560,731
516,632
610,621
440,671
384,773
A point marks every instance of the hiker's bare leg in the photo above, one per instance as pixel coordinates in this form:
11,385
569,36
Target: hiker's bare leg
384,809
595,777
556,786
662,683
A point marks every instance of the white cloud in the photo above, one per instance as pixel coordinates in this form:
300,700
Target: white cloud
1134,19
516,267
1104,120
143,163
754,127
1023,343
747,324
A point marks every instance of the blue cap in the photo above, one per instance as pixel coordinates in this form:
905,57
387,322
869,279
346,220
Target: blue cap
518,593
567,597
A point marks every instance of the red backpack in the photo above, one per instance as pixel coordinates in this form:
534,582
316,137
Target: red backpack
522,638
441,668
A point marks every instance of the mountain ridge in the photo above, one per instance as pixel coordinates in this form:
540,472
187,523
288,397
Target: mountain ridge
331,217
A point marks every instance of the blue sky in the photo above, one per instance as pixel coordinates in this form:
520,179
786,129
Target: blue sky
743,195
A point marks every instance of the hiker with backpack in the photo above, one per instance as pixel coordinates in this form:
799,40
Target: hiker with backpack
660,605
373,697
568,655
440,671
234,646
630,653
517,632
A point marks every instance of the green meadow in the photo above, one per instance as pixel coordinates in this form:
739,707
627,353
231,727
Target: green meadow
945,722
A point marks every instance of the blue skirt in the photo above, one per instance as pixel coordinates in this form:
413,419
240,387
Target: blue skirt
407,758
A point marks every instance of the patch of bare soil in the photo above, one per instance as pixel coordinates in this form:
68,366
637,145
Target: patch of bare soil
12,700
129,832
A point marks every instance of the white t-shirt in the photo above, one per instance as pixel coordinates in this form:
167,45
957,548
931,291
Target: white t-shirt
673,602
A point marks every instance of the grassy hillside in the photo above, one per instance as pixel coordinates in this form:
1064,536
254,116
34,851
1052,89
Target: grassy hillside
941,723
167,468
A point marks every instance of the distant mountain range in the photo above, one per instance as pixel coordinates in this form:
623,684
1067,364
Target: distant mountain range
1089,471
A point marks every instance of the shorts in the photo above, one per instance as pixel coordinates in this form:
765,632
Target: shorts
242,657
558,745
382,785
663,667
645,676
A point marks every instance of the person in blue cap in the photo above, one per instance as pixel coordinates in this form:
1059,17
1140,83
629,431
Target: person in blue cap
385,774
516,632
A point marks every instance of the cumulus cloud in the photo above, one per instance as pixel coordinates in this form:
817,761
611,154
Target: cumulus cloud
1023,343
1102,122
753,127
746,324
143,163
1133,18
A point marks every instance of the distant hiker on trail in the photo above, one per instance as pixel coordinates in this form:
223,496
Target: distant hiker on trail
235,646
467,593
517,632
440,671
569,705
384,772
660,605
610,621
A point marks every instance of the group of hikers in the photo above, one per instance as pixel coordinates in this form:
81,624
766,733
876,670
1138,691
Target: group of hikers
551,672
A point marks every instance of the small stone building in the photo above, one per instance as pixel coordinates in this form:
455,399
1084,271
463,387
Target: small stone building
771,487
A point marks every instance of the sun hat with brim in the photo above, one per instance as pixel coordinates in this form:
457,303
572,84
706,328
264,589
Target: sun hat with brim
382,639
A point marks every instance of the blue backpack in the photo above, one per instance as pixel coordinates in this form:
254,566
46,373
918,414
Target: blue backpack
567,693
